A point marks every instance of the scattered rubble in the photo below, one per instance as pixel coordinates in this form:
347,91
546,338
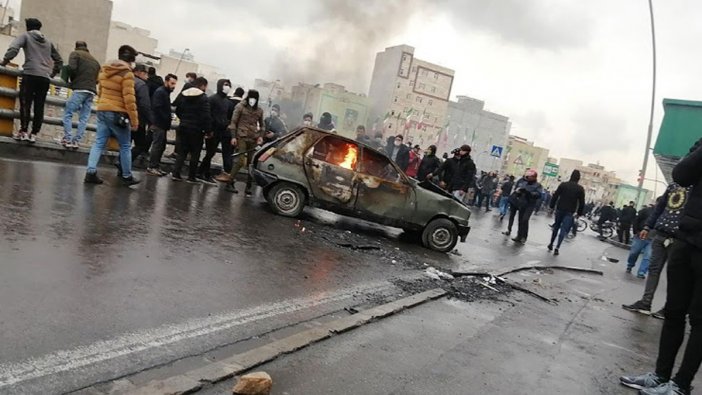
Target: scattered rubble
256,383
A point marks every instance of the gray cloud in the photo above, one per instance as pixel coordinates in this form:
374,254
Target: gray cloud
599,130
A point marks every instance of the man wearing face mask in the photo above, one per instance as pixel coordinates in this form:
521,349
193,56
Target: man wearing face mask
398,152
246,124
221,109
307,120
162,116
464,175
189,78
274,126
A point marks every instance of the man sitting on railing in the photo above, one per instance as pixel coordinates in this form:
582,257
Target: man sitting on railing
41,62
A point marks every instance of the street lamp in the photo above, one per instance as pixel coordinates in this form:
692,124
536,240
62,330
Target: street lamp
180,60
653,104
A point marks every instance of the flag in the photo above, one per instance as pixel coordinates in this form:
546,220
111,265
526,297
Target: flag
408,117
420,124
387,116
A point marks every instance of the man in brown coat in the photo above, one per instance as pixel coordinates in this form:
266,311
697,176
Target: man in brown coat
247,129
116,114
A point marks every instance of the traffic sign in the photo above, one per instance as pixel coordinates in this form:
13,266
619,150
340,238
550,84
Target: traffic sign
551,170
496,151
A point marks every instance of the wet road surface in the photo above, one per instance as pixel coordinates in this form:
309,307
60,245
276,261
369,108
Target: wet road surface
97,282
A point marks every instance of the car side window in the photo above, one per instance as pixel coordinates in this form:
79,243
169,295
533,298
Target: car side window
376,165
337,152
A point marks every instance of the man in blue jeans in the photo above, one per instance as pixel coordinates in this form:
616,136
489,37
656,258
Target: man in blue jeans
568,199
116,115
640,244
506,188
83,72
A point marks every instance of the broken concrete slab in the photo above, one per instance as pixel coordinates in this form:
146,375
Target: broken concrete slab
257,383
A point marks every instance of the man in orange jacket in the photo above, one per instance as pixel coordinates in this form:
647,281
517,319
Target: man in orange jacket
116,114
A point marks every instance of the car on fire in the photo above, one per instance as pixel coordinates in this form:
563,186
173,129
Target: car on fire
321,169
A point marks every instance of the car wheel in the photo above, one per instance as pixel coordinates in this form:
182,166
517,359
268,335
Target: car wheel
440,235
286,199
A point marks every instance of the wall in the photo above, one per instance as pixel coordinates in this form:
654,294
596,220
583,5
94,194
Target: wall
67,21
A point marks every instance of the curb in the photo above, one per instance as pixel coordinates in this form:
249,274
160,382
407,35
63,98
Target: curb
192,381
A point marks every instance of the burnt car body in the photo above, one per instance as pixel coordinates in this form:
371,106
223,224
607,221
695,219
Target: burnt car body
317,168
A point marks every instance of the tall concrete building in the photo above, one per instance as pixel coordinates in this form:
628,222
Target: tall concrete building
469,123
521,155
409,96
122,33
67,21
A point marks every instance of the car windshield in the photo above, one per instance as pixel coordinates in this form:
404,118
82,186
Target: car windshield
337,152
376,165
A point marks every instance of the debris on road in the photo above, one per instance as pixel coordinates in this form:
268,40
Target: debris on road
257,383
564,268
608,259
436,274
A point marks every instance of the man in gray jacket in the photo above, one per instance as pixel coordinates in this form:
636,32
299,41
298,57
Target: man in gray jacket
42,61
83,71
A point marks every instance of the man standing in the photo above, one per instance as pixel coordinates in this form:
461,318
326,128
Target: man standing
162,116
189,79
640,244
307,120
413,164
116,115
141,141
523,202
228,162
568,199
41,62
193,110
465,174
83,71
274,126
660,227
448,168
362,137
153,81
489,186
326,123
626,219
246,126
398,152
607,213
221,109
684,296
429,165
506,187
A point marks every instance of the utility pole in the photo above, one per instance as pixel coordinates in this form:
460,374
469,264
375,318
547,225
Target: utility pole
653,104
180,60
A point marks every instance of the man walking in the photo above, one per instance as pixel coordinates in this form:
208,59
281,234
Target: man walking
221,109
684,292
193,110
660,227
568,199
506,188
83,71
41,62
116,115
162,116
523,202
246,126
640,244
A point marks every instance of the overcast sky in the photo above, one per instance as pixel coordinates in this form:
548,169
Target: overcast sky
573,75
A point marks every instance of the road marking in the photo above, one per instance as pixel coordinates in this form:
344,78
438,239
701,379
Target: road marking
66,360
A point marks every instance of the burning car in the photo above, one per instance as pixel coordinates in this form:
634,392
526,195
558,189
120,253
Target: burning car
317,168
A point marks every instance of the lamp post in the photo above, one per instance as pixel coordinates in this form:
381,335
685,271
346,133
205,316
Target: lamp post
653,104
180,60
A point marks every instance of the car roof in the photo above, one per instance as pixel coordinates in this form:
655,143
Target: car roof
302,129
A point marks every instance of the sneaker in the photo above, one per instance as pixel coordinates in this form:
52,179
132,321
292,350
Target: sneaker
518,240
231,188
669,388
66,143
17,134
223,177
502,217
507,233
550,247
644,381
176,177
92,178
119,169
641,276
207,180
556,252
660,314
163,173
24,136
638,307
192,180
75,144
153,172
248,193
32,138
628,270
129,181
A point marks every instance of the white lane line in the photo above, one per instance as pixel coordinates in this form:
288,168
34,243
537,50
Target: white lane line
66,360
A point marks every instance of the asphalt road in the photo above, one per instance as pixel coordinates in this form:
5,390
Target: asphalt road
99,282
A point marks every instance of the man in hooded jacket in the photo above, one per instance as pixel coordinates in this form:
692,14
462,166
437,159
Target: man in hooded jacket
193,110
226,139
221,109
247,123
523,202
568,199
41,62
429,165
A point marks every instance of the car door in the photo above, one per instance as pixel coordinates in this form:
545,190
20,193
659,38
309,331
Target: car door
331,165
385,194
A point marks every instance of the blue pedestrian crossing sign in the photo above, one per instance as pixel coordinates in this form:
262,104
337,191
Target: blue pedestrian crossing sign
496,151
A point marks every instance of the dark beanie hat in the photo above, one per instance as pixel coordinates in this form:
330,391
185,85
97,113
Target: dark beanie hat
239,92
575,176
81,45
33,24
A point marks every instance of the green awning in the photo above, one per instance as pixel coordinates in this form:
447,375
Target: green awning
681,127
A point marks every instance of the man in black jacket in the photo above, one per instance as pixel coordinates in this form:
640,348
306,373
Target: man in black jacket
153,81
162,116
274,126
684,292
429,165
221,109
448,169
142,142
193,110
398,152
626,219
465,174
607,213
568,199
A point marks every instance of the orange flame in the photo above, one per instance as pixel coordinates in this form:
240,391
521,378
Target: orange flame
350,158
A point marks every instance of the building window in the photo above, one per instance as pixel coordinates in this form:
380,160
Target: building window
433,89
402,71
436,76
411,83
404,58
424,73
422,86
395,99
398,85
430,102
409,96
392,112
414,69
419,99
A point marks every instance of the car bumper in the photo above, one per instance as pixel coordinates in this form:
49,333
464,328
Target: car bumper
463,232
262,178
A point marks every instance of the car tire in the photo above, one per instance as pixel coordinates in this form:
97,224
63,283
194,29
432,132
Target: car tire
440,235
286,199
